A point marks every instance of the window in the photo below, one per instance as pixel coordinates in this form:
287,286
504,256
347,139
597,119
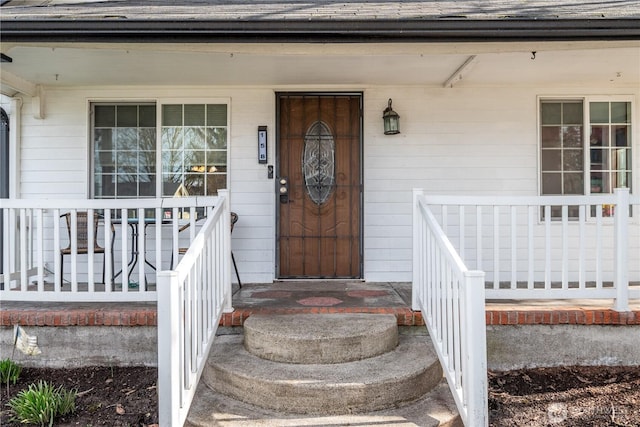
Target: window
124,151
610,145
194,149
585,147
192,139
562,145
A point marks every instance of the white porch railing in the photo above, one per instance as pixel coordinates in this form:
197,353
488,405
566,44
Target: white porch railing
191,300
451,299
548,247
34,232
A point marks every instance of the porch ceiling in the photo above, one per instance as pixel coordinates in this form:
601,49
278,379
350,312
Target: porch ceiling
352,65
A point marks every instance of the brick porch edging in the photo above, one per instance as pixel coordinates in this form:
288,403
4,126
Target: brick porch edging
147,316
134,316
561,316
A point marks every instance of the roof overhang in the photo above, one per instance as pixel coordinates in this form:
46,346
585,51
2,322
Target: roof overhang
318,31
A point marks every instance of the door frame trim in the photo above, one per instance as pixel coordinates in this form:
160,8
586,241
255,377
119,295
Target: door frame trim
278,95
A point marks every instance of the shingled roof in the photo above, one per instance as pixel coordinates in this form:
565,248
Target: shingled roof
325,20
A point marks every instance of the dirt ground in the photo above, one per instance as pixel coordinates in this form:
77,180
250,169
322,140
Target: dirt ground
575,396
106,396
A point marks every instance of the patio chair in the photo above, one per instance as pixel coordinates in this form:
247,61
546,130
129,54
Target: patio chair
82,233
182,250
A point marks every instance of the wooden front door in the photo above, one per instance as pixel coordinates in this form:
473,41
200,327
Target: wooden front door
319,185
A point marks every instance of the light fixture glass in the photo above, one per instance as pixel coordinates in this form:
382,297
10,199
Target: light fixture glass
391,120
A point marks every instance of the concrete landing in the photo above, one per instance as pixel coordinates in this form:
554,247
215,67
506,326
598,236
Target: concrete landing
321,339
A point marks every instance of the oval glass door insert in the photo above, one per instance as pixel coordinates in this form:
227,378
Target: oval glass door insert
318,162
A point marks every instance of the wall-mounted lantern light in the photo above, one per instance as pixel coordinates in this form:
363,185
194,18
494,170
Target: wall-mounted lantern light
391,120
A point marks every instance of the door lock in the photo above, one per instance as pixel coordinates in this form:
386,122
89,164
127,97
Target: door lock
283,190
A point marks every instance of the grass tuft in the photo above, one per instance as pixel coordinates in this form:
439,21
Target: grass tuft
41,403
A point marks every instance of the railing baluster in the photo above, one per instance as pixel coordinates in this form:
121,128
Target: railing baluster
547,247
599,246
90,253
56,246
531,251
40,249
24,279
109,244
496,247
462,232
582,242
565,247
514,248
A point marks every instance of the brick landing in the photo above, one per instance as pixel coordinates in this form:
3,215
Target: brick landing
319,297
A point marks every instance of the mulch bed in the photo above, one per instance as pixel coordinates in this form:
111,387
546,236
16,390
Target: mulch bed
568,396
118,396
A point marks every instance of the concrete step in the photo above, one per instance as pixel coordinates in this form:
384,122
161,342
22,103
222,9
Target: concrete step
389,380
435,409
320,339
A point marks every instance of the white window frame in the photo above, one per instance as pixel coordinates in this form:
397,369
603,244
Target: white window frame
159,102
586,100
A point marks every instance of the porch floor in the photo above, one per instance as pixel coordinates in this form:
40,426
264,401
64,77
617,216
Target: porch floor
319,297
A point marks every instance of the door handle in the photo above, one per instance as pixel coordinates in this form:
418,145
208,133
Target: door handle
283,190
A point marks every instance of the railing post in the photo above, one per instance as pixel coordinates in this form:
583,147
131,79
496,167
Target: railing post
418,256
475,353
621,254
226,244
169,366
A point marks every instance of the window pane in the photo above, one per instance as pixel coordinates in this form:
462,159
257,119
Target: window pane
599,112
171,115
103,139
551,160
216,182
216,115
599,159
596,182
217,158
194,161
552,183
194,138
147,139
600,182
621,180
573,183
621,159
573,160
620,136
217,138
572,113
147,116
148,186
551,113
171,138
599,136
126,139
194,183
172,161
551,136
105,116
620,112
572,136
194,115
127,116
